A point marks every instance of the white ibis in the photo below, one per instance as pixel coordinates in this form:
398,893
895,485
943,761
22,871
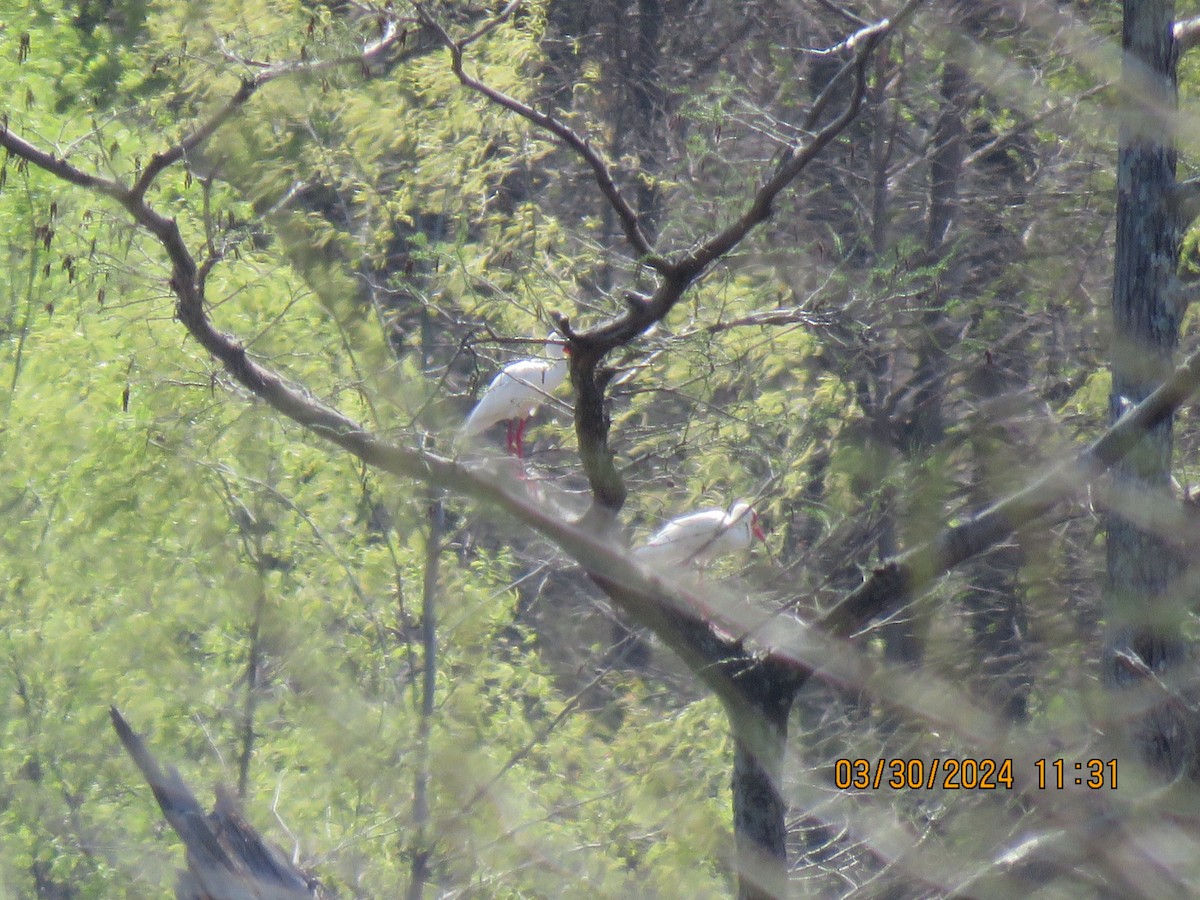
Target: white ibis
699,536
516,392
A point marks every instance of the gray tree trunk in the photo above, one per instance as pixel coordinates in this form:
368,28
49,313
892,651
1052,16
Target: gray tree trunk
759,807
1141,565
904,639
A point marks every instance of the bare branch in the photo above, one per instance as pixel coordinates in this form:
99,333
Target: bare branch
226,857
132,197
162,160
864,43
591,425
1187,34
792,315
841,11
488,26
392,35
901,578
60,168
600,170
1030,121
673,615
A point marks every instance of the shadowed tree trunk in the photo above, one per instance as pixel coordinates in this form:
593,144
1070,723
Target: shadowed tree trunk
1143,625
904,639
759,807
994,600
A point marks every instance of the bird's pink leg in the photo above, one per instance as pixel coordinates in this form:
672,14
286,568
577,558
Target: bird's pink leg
510,443
521,438
515,445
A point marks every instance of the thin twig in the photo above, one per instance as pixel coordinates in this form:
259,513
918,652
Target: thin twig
497,20
843,12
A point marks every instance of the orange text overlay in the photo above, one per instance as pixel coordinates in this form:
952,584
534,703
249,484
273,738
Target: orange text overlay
913,774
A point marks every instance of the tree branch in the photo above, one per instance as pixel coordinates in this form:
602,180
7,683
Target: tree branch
499,19
864,43
162,160
590,347
901,578
392,36
591,425
673,615
1187,34
600,170
844,13
57,167
226,857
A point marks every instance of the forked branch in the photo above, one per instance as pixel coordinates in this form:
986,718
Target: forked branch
600,169
863,43
675,275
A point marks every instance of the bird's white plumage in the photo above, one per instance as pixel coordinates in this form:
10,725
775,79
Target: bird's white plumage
518,390
700,536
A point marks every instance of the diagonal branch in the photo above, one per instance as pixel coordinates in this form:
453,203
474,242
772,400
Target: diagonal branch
491,24
392,36
680,621
600,170
864,43
227,859
56,166
903,577
590,347
160,161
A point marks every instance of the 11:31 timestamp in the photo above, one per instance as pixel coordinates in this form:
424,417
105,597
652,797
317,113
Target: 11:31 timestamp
1090,773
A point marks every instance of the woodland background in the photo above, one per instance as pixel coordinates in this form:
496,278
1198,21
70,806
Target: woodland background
922,326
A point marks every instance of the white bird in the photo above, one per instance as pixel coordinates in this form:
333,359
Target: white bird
698,537
516,392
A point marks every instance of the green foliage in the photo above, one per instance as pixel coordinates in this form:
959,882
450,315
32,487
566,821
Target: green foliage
130,575
372,233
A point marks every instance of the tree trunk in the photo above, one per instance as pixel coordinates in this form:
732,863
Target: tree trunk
904,639
993,600
1141,565
759,808
759,819
647,91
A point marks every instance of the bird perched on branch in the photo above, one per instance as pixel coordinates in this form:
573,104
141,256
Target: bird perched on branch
516,392
698,537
